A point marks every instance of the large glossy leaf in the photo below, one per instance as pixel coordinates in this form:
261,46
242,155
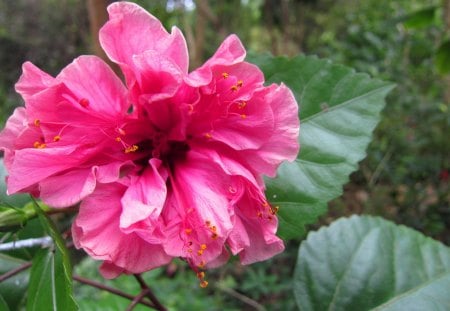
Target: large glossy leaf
51,273
3,305
361,263
339,110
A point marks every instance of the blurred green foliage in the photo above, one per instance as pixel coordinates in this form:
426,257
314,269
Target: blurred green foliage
406,175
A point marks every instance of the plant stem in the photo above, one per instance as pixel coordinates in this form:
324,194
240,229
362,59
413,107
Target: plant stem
137,299
43,242
112,290
150,295
15,271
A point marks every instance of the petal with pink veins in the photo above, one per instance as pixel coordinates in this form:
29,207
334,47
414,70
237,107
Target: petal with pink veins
96,230
145,196
131,31
32,81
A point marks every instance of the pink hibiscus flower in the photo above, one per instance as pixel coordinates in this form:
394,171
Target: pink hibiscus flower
169,165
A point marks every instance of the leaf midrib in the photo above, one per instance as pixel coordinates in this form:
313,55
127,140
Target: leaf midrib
412,290
348,102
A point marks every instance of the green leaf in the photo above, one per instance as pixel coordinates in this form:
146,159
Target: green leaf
51,274
442,58
13,289
360,263
421,18
49,285
3,305
339,110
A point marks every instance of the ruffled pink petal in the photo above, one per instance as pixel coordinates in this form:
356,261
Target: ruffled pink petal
131,31
283,143
262,242
71,187
197,204
230,52
32,81
96,230
67,189
90,78
145,196
157,76
15,125
33,165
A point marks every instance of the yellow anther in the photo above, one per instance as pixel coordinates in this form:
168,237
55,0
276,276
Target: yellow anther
242,105
188,231
39,145
208,135
225,75
213,228
243,116
259,214
274,210
265,204
201,274
37,122
202,264
203,247
204,284
200,252
118,139
56,138
132,148
240,83
214,236
234,88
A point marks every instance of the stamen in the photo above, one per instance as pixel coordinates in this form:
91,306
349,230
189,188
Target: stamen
202,264
203,284
37,122
208,135
243,116
56,138
84,102
201,275
118,139
239,83
225,75
214,236
234,88
200,252
132,148
203,247
39,145
242,105
188,231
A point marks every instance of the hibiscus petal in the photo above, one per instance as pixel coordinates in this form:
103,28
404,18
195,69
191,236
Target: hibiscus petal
283,143
90,78
96,230
32,81
131,31
33,165
145,196
230,52
197,210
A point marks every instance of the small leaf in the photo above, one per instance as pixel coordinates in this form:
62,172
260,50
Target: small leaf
339,110
442,58
360,263
421,18
49,285
51,274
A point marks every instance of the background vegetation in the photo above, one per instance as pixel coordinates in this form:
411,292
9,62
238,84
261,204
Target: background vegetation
405,177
